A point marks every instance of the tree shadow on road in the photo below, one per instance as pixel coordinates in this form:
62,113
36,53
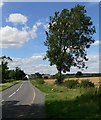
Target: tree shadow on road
12,109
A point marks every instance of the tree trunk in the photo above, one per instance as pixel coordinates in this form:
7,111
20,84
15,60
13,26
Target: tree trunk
60,76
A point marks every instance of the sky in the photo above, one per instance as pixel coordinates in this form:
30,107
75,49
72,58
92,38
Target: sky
23,34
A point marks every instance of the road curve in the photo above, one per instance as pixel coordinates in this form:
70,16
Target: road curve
22,100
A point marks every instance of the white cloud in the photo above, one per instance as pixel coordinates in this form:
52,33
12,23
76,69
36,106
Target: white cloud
46,69
12,37
43,24
32,65
92,63
46,26
39,23
26,61
17,18
1,4
33,31
98,42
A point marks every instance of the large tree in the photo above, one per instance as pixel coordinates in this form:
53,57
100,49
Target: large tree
4,67
69,36
19,74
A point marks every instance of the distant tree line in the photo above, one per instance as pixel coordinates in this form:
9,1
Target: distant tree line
78,74
6,74
39,75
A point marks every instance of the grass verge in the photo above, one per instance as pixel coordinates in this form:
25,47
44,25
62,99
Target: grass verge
7,85
80,103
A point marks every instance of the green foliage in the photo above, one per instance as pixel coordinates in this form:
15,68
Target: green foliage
10,80
80,103
70,35
6,74
38,75
43,87
12,74
74,104
86,84
40,81
79,74
16,74
75,84
8,84
58,79
71,84
4,67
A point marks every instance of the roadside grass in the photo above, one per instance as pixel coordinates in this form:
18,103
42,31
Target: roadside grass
79,103
48,88
43,88
73,104
7,85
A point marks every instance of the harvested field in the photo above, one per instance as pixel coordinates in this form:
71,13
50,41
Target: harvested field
50,81
95,80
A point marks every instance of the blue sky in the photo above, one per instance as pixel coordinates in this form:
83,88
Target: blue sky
23,34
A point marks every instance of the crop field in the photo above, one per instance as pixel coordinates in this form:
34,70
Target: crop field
95,80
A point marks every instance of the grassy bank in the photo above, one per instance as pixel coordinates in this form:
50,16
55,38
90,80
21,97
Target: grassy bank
80,103
6,85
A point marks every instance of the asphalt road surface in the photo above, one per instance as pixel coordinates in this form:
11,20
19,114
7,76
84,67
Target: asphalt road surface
22,100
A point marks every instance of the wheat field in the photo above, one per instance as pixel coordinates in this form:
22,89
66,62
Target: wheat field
95,80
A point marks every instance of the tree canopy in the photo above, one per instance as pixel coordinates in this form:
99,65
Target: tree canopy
69,36
4,67
5,73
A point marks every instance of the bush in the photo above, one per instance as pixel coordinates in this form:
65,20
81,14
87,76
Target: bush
10,80
58,80
40,81
86,84
71,84
79,74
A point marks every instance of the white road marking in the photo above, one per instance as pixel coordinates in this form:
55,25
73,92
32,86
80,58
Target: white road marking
33,97
16,91
1,101
19,87
12,94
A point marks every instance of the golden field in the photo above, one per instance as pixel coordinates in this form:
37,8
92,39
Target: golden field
95,80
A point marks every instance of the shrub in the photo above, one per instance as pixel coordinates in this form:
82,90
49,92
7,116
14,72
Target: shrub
58,79
71,84
58,82
86,84
79,74
10,80
40,81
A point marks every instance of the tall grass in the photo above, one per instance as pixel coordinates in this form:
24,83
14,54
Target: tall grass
77,103
8,84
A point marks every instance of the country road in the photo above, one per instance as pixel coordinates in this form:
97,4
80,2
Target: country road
22,100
